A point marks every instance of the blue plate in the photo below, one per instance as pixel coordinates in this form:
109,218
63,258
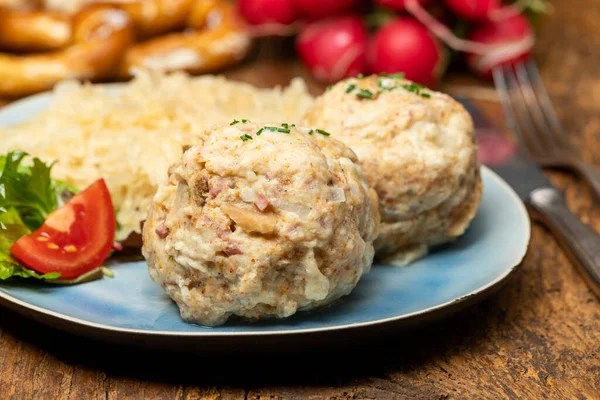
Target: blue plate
131,308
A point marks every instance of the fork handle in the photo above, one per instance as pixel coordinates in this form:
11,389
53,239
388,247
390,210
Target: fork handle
581,242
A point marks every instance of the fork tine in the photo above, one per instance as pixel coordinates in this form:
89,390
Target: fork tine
517,114
546,103
519,101
534,109
541,106
509,113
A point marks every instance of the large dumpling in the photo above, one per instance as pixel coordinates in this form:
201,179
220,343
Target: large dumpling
419,153
260,221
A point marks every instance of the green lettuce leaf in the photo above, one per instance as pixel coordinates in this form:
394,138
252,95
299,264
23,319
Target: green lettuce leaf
27,189
64,192
12,228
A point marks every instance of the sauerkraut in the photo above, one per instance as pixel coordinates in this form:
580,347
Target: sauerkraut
130,134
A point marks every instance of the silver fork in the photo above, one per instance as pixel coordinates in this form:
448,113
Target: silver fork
543,136
580,241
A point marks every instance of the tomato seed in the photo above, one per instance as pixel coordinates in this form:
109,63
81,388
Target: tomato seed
70,248
41,239
53,246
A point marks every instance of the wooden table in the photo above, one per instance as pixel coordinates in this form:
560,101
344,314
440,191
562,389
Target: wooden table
537,338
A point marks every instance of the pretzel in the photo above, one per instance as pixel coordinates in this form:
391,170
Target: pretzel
151,17
100,35
32,30
154,17
217,39
98,41
20,4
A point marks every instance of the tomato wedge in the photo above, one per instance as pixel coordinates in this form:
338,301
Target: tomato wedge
75,238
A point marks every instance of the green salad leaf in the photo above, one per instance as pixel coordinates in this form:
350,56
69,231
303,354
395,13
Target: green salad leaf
64,191
27,189
12,228
27,196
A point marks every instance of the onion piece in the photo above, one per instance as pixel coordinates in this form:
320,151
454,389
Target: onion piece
251,220
337,195
248,195
300,210
181,196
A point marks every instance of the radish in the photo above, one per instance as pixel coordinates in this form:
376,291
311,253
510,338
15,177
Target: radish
319,9
405,45
259,12
333,49
395,4
474,10
508,40
505,39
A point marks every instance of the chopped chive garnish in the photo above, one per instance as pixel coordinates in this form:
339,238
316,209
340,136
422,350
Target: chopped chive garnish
414,87
235,121
350,88
426,95
285,129
245,121
399,75
365,94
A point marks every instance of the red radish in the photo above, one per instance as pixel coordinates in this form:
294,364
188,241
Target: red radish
258,12
319,9
333,49
474,10
508,40
405,45
504,40
395,4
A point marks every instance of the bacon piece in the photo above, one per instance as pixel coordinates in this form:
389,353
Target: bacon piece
262,202
215,190
222,232
162,231
232,249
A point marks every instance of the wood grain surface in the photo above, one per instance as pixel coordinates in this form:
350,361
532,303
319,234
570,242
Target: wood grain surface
538,338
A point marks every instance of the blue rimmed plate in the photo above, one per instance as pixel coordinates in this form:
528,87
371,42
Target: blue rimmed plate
130,308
